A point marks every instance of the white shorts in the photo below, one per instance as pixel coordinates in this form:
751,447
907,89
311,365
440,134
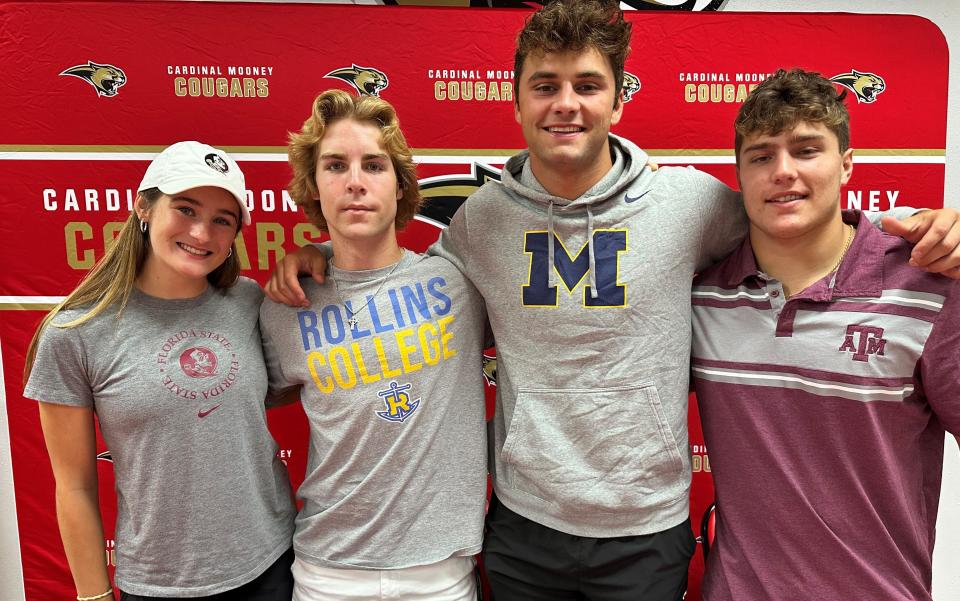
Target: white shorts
448,580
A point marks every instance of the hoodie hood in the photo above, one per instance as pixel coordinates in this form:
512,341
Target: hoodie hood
629,161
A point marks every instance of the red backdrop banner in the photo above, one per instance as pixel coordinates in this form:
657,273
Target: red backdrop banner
96,89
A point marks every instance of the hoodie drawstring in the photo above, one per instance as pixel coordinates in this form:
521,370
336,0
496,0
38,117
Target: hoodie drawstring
551,269
593,265
551,266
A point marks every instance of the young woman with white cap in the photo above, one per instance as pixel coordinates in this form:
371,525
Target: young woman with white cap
160,342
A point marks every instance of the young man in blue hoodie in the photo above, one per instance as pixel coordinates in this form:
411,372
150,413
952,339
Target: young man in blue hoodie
590,455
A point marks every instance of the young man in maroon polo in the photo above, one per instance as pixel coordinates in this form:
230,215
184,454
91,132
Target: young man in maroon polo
827,372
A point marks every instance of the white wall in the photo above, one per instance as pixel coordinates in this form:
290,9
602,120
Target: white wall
11,576
946,577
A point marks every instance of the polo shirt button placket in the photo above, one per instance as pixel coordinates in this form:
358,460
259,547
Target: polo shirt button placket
776,295
777,299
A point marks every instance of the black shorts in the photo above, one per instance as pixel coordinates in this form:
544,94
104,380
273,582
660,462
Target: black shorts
275,584
526,561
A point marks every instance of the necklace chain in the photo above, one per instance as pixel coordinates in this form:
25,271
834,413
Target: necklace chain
843,253
846,247
352,320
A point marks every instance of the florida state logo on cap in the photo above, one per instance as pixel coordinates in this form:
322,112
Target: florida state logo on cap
216,163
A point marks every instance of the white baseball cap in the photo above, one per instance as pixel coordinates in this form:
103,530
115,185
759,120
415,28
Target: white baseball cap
186,165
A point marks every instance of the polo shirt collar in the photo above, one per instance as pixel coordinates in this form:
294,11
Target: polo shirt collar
860,274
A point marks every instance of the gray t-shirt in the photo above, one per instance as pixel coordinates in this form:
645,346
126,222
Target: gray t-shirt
203,502
396,472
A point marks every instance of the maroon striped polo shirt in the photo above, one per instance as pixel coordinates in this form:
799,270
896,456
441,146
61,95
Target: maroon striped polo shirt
824,417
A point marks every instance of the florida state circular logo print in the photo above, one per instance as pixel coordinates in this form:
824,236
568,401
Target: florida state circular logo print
198,362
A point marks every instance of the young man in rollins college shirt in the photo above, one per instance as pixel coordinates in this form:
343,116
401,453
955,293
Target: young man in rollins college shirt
387,357
827,370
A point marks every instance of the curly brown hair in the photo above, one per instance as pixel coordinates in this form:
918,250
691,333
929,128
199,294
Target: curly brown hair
304,145
787,98
575,25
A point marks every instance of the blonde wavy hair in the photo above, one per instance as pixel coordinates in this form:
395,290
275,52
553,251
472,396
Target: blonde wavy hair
304,146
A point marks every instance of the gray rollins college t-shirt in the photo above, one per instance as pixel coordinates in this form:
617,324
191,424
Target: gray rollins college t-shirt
396,473
203,503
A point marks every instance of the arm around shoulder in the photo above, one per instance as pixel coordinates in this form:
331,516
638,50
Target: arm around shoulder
454,242
723,220
936,234
284,284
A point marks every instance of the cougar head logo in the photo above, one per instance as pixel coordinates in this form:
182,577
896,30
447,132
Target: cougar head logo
443,195
631,85
490,369
105,79
365,80
867,86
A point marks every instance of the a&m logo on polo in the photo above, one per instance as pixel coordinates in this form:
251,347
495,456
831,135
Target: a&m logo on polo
398,403
863,341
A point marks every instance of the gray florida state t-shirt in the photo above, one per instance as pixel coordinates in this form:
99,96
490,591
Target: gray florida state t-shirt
203,502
